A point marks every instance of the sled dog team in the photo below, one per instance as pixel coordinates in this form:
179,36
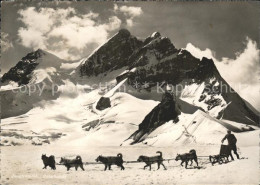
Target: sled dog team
108,161
118,160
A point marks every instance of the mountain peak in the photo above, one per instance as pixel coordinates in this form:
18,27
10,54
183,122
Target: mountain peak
124,32
23,70
155,35
114,54
34,54
40,51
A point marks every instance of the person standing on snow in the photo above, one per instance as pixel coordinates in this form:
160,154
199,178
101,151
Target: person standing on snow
232,140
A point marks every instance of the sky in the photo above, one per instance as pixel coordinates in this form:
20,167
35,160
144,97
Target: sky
227,32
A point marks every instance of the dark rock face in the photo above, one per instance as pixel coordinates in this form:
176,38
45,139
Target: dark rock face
112,55
90,125
163,112
21,73
174,70
103,103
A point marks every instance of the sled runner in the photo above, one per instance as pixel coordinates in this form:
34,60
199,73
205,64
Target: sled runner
222,157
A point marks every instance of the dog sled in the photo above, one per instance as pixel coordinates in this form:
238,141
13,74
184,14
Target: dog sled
222,157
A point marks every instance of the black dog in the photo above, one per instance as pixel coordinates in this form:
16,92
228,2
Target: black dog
72,163
48,161
150,160
187,157
108,161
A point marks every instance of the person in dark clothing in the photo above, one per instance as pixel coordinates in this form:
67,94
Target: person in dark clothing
232,140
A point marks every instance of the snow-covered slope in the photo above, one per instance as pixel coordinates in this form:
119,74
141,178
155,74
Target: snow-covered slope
75,121
193,128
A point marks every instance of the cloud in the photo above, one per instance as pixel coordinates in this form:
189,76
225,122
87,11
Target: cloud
242,73
32,38
115,7
129,22
199,53
62,31
5,42
130,12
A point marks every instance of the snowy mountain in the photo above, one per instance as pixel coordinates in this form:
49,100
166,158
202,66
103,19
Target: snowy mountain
35,67
156,60
31,81
141,114
21,73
